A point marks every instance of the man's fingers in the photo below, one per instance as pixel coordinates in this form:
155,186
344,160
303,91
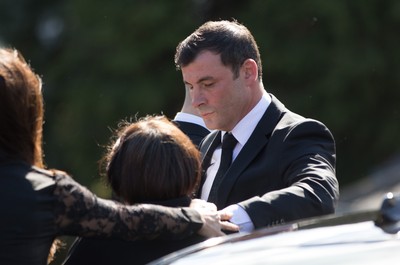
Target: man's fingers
225,215
228,226
214,221
198,203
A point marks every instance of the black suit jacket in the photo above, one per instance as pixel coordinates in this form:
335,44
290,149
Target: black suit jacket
195,132
285,171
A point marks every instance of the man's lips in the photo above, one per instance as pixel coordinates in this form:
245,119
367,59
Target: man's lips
205,114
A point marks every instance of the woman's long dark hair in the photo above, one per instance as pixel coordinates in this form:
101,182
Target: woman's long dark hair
21,109
21,114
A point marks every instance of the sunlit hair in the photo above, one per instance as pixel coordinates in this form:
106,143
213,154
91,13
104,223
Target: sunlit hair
152,160
21,109
230,39
21,114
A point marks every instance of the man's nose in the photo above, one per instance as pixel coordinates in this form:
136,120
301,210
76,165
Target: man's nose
197,98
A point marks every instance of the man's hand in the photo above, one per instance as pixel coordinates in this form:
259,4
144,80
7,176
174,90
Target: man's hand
237,215
213,221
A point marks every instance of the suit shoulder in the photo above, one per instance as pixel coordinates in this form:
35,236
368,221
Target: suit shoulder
291,119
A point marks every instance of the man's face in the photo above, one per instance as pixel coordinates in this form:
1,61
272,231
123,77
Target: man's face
221,99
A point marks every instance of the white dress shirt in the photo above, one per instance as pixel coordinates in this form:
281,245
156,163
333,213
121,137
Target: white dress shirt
242,132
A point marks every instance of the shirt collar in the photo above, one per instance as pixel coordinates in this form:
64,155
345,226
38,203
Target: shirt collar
243,130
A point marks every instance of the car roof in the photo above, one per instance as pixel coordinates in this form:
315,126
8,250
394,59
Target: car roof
358,243
365,237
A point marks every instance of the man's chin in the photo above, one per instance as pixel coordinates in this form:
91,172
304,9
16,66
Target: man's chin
211,126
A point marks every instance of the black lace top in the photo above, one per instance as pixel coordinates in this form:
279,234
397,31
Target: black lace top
120,252
38,205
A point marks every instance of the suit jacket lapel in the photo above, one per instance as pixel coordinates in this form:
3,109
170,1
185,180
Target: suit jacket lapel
257,141
207,149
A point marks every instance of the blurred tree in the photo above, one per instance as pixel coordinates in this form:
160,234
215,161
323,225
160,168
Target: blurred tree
116,62
336,61
103,61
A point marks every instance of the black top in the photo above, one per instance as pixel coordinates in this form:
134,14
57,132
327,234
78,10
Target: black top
38,205
112,251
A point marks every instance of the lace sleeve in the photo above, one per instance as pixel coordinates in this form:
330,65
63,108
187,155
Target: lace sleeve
80,213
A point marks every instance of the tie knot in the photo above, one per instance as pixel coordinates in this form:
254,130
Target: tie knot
229,141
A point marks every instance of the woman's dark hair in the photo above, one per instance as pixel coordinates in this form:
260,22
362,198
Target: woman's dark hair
21,109
21,114
152,160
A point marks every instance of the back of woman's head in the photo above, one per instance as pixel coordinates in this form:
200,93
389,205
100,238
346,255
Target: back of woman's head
21,109
152,160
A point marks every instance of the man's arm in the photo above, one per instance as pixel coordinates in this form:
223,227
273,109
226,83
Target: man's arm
307,164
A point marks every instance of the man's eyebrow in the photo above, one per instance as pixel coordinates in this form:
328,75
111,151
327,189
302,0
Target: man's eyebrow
206,78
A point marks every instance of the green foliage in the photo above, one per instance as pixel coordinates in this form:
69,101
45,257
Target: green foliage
336,61
115,62
103,61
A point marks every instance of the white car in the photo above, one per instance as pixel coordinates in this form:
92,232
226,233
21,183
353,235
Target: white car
367,237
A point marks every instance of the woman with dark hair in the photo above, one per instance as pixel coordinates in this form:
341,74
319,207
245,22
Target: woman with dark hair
37,205
152,161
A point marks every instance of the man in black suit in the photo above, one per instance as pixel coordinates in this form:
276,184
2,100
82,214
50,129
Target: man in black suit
283,165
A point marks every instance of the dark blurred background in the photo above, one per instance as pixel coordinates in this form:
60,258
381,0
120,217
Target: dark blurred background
103,61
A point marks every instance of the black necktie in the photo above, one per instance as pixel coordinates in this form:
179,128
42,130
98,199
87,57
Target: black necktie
228,144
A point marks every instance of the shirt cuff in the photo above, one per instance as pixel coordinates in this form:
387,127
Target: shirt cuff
240,218
191,118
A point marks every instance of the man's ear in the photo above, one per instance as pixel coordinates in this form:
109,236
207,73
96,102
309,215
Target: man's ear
250,70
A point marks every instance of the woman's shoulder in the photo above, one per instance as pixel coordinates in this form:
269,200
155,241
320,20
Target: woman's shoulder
45,178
